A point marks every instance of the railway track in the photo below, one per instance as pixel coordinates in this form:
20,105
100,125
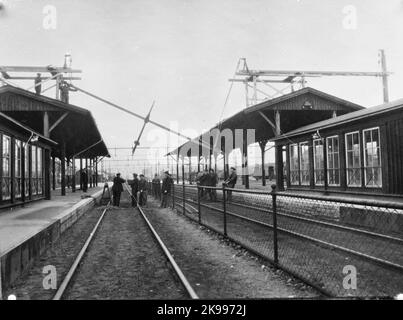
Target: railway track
74,281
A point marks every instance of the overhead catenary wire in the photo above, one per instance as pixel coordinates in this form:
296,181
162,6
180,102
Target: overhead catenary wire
129,112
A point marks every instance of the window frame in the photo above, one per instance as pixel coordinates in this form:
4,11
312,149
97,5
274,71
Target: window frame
9,174
357,132
315,170
298,182
338,158
307,183
365,158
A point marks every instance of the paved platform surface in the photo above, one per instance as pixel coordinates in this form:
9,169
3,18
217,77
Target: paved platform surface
20,223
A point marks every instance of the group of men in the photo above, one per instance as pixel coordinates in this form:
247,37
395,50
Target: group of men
209,179
139,188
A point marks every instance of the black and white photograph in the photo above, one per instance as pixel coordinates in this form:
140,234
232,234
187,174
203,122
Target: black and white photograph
201,157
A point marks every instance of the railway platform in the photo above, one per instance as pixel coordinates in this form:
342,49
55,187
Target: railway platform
25,232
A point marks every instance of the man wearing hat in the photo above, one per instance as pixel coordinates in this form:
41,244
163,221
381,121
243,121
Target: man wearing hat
143,187
166,189
134,184
231,182
117,189
156,187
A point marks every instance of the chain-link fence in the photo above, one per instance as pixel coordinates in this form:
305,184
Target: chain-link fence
343,247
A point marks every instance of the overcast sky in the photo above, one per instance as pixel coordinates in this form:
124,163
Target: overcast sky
181,53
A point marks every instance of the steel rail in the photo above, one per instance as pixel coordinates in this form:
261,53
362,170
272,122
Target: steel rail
267,258
73,268
164,248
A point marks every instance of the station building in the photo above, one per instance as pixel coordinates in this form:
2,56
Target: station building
270,119
36,132
357,153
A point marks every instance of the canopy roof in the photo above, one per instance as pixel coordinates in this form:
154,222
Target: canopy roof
74,126
20,127
297,109
345,119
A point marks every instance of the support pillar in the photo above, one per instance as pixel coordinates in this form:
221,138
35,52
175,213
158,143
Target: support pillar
63,168
73,174
81,171
177,168
47,174
183,170
279,167
278,123
91,173
226,165
53,173
245,159
96,171
262,145
87,171
190,167
68,173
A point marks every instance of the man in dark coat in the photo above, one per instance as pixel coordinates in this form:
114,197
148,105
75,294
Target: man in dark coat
117,189
134,184
84,180
156,187
202,180
212,182
143,187
231,182
166,189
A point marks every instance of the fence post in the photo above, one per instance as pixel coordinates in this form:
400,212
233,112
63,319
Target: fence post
173,195
224,198
275,243
198,203
183,199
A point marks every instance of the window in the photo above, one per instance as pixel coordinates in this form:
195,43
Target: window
372,158
18,169
37,171
40,169
34,181
26,172
6,176
333,165
294,167
353,159
318,162
304,163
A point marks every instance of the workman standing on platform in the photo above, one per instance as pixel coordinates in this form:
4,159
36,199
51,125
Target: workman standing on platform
231,182
117,189
167,183
84,180
212,182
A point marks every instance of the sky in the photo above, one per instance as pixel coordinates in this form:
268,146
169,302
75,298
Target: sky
182,53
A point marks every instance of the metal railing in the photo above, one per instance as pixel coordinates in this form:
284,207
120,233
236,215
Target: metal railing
342,247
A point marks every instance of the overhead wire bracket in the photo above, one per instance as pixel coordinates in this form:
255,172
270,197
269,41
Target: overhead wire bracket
146,120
